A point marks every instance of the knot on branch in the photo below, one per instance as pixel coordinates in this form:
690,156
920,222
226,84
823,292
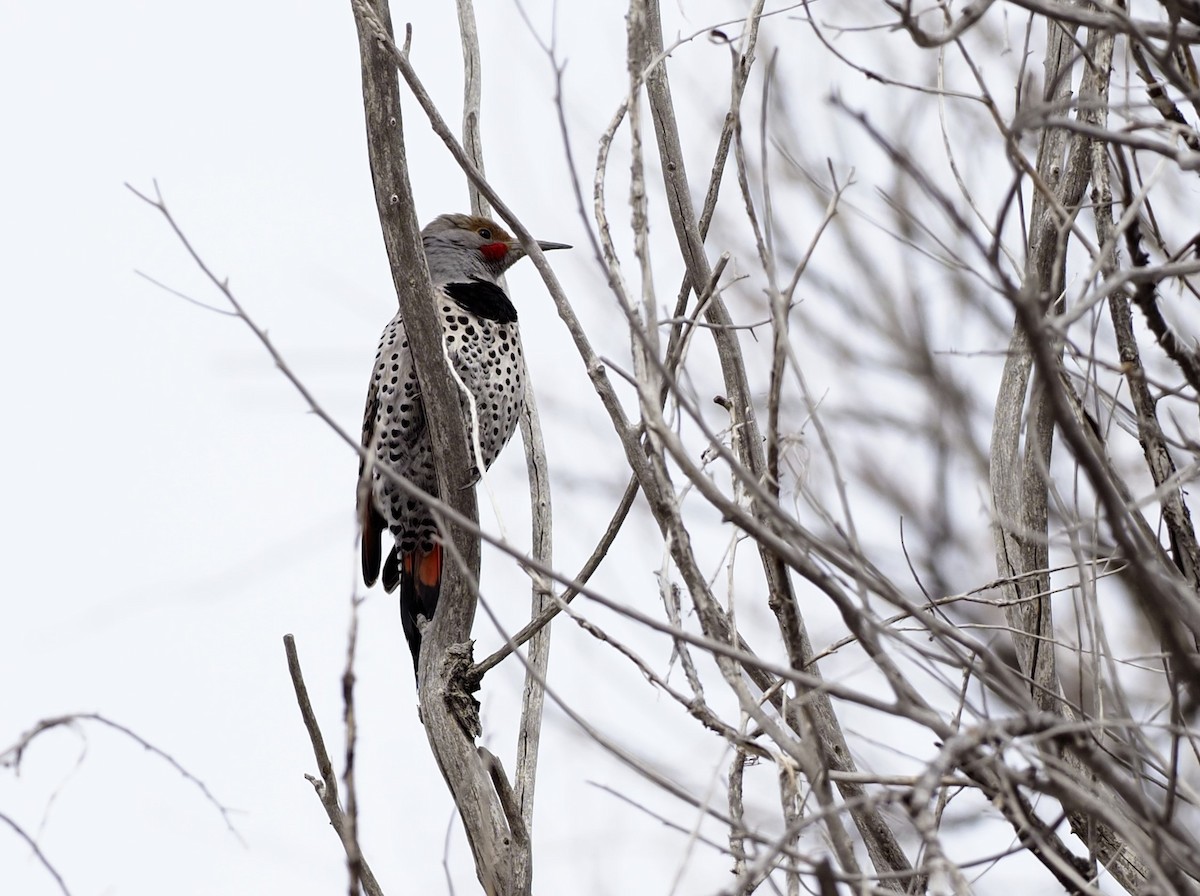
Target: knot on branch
457,666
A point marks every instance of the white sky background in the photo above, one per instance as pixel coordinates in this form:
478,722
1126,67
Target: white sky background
171,509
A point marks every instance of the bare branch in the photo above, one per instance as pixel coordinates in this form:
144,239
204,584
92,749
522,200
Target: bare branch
11,757
37,852
326,785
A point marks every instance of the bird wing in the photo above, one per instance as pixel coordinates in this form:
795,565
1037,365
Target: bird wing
391,388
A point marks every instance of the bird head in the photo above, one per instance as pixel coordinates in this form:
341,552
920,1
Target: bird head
471,245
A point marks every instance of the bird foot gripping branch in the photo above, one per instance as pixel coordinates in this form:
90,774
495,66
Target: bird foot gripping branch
466,255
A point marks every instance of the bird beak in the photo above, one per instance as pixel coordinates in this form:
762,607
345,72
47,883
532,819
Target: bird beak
546,247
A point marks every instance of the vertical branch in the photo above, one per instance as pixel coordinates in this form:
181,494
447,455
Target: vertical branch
449,727
1064,166
737,826
538,655
1019,490
789,798
1158,458
402,239
472,98
326,786
645,347
537,471
354,857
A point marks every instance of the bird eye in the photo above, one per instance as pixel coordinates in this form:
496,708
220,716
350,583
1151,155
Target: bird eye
485,233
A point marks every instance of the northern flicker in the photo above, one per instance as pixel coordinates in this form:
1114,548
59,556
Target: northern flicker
466,254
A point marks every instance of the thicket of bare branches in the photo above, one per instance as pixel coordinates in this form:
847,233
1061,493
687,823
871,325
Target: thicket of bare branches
951,397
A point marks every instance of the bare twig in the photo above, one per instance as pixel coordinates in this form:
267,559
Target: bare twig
11,757
37,852
326,785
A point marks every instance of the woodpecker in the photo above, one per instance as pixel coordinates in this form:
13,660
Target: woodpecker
466,254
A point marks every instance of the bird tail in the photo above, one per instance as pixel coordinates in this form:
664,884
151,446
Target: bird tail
373,526
420,583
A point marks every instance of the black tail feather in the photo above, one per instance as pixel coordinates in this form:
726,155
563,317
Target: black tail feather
391,571
373,527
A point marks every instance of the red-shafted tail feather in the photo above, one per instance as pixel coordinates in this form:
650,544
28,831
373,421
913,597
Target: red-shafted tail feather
420,574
